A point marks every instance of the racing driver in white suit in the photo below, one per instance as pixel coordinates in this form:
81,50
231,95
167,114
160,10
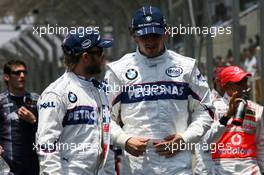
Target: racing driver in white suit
159,99
73,131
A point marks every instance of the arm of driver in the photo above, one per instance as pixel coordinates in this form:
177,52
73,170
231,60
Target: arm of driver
114,90
200,106
51,112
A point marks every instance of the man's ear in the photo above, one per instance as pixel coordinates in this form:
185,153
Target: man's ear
85,58
6,77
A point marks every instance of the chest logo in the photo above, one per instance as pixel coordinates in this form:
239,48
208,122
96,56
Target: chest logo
72,97
131,74
236,139
174,71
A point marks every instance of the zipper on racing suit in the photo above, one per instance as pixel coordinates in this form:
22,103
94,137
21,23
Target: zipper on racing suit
100,104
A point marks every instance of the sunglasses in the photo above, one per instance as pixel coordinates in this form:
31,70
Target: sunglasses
18,72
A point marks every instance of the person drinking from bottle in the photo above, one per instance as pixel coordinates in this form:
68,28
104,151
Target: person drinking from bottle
238,136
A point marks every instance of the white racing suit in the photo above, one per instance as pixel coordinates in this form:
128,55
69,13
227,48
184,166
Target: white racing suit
204,163
155,98
239,150
73,130
109,167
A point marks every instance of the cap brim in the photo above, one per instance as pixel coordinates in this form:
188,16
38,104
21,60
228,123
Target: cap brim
105,43
239,77
149,30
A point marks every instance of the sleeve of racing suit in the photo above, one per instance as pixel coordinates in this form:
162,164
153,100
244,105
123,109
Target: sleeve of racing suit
200,106
214,133
51,112
260,140
218,127
114,90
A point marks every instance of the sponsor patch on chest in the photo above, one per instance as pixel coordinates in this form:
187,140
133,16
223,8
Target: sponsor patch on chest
174,71
80,115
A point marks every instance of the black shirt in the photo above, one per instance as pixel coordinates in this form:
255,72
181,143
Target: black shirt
16,135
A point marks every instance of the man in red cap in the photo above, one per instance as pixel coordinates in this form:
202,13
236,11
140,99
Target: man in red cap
233,74
240,147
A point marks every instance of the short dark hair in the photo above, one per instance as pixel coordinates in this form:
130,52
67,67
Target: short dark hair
8,66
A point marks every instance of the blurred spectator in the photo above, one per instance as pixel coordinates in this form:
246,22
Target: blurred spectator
229,58
220,61
244,56
252,45
18,121
258,54
258,85
250,63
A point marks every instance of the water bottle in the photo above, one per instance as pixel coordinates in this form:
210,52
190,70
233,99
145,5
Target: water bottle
239,116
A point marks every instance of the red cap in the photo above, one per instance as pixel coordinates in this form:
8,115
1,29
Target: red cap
232,74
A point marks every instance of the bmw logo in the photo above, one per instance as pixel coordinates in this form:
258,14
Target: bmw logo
148,18
131,74
72,97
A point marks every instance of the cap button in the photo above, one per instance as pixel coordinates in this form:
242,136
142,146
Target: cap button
148,18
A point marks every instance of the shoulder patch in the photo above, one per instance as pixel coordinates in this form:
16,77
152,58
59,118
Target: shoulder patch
72,97
131,74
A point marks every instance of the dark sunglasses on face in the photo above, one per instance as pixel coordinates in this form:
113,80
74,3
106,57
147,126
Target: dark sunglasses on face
18,72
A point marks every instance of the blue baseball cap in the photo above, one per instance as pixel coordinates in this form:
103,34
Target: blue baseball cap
75,43
148,19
